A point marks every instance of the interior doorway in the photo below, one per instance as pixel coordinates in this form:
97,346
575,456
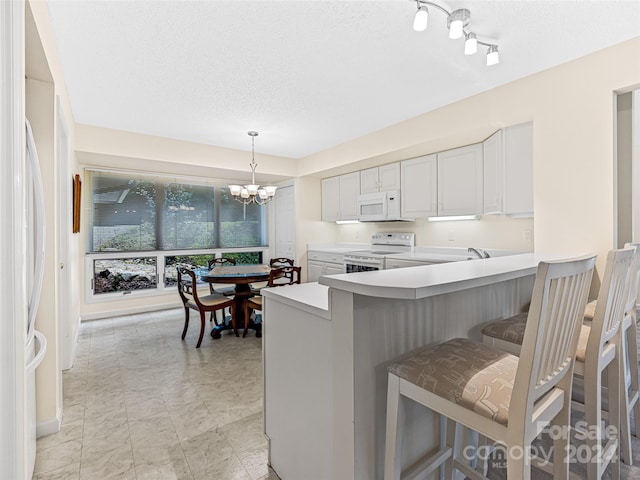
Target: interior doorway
627,149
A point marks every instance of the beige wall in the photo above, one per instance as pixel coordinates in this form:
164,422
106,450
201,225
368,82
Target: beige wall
572,110
45,82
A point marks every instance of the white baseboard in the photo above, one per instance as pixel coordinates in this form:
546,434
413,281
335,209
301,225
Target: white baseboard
131,311
50,426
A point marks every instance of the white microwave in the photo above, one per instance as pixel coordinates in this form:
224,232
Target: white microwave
380,207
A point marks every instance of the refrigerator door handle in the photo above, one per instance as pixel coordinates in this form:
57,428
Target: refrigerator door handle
40,233
42,350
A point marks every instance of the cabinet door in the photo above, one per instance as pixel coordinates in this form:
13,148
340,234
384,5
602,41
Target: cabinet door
369,180
460,181
518,154
332,269
493,172
418,192
314,270
349,191
389,177
285,223
331,199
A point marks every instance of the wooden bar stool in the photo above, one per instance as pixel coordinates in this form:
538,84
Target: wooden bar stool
599,350
472,384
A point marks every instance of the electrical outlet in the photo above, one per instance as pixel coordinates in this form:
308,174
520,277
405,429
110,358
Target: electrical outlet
450,236
526,235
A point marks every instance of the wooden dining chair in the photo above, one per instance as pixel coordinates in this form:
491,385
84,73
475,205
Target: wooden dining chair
188,290
277,278
599,351
500,396
226,290
273,263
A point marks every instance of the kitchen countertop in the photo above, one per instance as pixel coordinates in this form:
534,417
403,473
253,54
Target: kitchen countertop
415,282
430,280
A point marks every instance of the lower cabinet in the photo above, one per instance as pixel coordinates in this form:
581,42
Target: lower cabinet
323,263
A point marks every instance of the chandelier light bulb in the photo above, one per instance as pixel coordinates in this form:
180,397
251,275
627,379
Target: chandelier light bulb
471,44
492,56
421,19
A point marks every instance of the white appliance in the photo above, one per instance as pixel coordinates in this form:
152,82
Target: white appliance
380,207
35,222
381,244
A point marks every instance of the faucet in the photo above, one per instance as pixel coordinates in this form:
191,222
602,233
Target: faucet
477,251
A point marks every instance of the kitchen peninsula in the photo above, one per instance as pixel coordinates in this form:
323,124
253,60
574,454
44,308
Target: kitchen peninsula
326,346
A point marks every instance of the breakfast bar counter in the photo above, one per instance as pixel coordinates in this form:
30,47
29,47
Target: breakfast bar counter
327,344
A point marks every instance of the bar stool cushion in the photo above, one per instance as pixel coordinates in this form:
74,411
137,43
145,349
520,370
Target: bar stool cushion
508,329
464,372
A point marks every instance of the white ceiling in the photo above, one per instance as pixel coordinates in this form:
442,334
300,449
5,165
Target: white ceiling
308,75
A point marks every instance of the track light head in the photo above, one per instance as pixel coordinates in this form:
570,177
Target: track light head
457,21
470,44
421,18
492,55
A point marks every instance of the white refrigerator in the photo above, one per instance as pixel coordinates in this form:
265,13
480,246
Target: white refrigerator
36,345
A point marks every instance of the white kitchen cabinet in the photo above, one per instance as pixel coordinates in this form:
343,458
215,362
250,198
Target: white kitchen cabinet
508,171
460,178
380,179
339,197
418,190
331,199
285,222
323,263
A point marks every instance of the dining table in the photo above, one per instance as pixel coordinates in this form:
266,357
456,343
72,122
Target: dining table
242,276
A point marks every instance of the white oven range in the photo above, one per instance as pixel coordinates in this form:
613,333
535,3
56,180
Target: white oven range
381,244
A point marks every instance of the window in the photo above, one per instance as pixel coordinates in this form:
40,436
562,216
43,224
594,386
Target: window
142,226
153,213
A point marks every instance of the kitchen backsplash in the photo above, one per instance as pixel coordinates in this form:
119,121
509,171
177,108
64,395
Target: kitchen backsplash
491,231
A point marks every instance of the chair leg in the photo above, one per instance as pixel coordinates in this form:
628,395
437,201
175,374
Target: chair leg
233,318
593,418
561,443
202,324
186,322
615,384
246,319
395,428
624,435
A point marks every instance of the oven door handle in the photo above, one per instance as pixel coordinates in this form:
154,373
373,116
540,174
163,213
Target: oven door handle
365,263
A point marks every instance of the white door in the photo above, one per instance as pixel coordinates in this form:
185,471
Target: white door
285,226
67,323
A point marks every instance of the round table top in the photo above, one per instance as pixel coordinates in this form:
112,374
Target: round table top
237,274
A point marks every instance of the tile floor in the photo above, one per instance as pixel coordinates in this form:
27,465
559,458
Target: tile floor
140,403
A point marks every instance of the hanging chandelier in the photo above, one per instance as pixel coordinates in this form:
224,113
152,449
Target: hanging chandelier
457,21
248,194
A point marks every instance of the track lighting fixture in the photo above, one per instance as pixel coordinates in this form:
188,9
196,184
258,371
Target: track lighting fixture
457,22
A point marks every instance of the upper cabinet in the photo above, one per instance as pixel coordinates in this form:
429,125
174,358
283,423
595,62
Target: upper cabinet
419,190
508,171
380,179
340,196
460,180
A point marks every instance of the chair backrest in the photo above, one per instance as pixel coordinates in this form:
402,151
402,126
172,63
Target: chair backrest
284,276
187,286
281,262
612,300
550,339
221,261
634,280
